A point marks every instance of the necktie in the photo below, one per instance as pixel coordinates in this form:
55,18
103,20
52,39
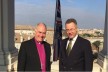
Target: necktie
69,46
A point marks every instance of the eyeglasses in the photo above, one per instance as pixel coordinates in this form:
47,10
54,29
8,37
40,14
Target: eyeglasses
70,29
41,32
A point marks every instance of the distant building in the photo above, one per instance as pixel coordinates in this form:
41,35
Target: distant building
90,31
22,33
26,32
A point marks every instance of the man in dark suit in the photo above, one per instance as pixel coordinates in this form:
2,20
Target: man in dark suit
76,53
34,54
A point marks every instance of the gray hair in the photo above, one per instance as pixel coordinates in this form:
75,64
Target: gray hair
41,23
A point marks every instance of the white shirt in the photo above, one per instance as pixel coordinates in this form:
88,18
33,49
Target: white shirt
73,41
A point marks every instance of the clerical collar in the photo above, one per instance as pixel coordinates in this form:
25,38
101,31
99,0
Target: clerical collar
38,42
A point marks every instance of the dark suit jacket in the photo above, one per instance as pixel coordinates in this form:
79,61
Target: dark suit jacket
80,57
28,58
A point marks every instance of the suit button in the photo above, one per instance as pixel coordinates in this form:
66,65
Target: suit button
64,67
71,68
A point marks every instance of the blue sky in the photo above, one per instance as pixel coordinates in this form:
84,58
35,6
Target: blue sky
88,13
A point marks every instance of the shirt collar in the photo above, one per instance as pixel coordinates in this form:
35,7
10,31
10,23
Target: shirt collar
38,42
74,39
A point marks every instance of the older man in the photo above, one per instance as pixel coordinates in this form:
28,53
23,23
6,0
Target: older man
76,53
34,54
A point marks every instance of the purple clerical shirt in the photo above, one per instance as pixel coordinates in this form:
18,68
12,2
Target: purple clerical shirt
42,55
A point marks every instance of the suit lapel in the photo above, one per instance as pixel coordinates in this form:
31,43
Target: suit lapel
35,51
65,44
45,48
46,52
